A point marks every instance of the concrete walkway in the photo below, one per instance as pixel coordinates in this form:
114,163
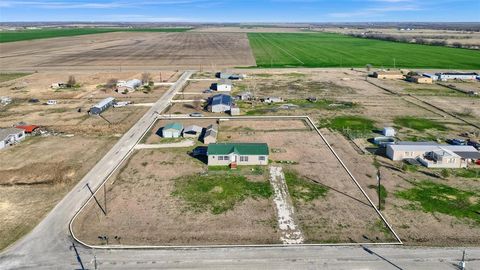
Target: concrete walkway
184,143
291,233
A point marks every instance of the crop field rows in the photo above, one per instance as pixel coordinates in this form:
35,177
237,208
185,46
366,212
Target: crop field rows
334,50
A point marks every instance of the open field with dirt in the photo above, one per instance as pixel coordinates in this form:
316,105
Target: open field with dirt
132,50
147,184
39,171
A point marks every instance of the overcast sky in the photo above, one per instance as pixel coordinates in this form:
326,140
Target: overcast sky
241,11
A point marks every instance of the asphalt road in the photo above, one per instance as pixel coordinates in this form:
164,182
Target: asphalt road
50,246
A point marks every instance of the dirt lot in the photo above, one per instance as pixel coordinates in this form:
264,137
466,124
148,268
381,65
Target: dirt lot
415,227
143,211
39,172
127,50
158,217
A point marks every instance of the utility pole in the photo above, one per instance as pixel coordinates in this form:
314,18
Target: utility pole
379,190
462,262
105,196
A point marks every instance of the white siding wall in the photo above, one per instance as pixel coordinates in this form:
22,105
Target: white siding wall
213,160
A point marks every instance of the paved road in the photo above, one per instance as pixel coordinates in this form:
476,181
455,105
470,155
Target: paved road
49,245
49,238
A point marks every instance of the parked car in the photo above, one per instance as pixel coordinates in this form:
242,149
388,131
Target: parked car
457,141
33,100
196,114
207,91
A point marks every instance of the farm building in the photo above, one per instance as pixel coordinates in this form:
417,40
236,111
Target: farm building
193,131
388,74
10,136
232,154
432,154
220,103
431,76
234,110
388,131
223,85
172,130
456,76
210,135
128,86
102,106
420,79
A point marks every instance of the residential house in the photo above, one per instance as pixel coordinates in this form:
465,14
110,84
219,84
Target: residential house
10,136
172,130
441,154
102,106
220,103
232,154
128,86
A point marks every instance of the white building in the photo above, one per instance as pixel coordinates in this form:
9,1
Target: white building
456,76
10,136
228,154
192,131
128,86
388,131
172,130
223,86
432,154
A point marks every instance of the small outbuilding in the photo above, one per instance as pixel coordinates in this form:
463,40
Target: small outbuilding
172,130
102,106
10,136
192,131
210,135
388,132
223,85
244,96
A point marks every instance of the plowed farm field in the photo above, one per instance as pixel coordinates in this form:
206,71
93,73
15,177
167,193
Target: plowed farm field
128,50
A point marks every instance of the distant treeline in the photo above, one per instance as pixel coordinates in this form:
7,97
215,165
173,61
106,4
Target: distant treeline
432,40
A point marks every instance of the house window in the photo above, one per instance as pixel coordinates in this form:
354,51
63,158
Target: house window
226,158
261,158
244,158
220,157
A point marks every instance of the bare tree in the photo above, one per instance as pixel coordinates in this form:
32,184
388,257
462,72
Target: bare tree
111,84
71,80
146,77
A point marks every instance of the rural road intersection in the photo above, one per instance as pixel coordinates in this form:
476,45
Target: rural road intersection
50,245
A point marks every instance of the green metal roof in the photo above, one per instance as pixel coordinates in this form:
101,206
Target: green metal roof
176,126
238,148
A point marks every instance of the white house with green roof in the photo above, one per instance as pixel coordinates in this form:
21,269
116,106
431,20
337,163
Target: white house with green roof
172,130
225,154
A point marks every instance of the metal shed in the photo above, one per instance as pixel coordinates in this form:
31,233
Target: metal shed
172,130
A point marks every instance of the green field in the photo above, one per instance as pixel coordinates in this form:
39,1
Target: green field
335,50
417,123
10,36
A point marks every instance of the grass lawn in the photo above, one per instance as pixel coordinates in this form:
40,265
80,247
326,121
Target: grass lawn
11,36
433,197
335,50
351,126
11,76
417,123
303,190
219,193
468,173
